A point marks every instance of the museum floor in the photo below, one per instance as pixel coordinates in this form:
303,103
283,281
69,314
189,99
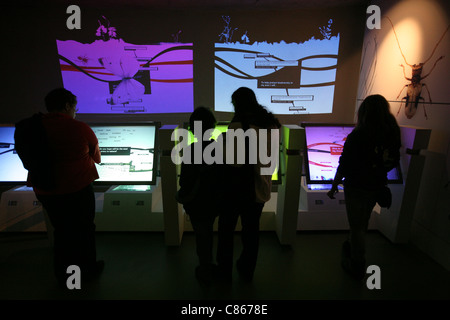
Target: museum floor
138,266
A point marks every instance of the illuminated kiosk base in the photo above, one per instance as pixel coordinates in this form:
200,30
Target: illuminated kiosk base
318,212
20,211
130,208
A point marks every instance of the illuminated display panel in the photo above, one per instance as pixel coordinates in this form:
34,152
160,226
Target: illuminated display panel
113,76
11,167
287,77
324,145
128,154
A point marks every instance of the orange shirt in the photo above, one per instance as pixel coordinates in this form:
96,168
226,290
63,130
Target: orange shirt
74,150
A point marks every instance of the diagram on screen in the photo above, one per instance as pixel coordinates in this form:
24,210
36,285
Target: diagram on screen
110,75
324,148
126,159
288,78
127,153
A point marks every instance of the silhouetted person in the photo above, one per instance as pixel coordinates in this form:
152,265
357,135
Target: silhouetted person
198,191
60,153
370,152
246,189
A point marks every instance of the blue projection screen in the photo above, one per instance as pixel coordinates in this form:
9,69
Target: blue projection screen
288,78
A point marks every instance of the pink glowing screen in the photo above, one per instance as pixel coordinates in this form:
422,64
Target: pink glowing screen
324,143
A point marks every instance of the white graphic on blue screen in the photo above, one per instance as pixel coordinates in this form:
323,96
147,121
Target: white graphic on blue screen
288,78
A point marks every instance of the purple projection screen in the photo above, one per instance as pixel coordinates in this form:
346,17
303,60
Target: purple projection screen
117,77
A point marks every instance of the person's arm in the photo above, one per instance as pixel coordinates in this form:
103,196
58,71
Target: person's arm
334,187
94,149
343,166
96,155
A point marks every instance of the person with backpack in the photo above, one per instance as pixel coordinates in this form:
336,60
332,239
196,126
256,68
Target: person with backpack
60,154
198,194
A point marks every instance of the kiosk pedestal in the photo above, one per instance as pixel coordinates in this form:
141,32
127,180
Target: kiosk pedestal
395,222
292,141
318,212
173,211
20,211
129,208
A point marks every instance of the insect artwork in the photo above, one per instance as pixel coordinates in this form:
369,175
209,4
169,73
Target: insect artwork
414,88
83,59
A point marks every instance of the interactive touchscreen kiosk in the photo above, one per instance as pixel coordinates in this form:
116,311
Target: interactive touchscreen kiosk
12,171
127,153
19,209
324,146
324,143
128,165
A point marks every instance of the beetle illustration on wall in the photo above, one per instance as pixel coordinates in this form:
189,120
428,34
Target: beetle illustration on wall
414,87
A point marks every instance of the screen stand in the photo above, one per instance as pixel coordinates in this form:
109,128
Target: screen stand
20,211
128,208
318,212
173,211
292,138
396,222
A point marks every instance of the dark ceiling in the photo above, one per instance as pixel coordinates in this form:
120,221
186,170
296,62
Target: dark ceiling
262,4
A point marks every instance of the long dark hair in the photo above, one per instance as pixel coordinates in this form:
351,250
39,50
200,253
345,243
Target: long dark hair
206,116
376,120
247,108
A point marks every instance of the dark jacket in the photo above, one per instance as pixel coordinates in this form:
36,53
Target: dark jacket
365,163
200,186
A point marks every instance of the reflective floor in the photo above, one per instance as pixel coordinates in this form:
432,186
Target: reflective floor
138,266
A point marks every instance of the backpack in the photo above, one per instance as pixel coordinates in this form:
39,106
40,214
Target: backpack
32,147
